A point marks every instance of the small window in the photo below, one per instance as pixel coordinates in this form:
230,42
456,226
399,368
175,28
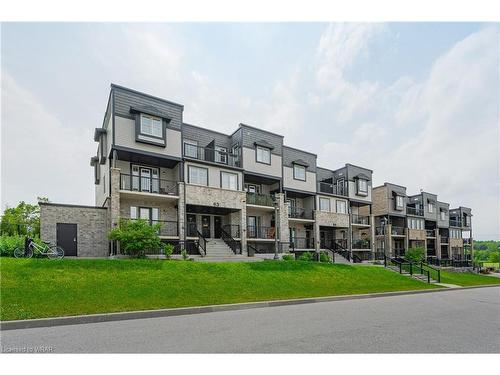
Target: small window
362,186
443,215
229,181
133,212
151,126
341,207
191,149
399,202
299,172
431,208
263,155
324,204
197,175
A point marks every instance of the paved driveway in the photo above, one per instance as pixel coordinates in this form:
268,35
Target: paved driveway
454,321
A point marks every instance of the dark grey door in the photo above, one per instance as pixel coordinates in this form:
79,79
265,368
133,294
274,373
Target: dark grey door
66,238
205,226
217,226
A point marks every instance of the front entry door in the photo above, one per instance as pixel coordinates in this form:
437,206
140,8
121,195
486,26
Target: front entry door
205,226
191,226
66,238
217,227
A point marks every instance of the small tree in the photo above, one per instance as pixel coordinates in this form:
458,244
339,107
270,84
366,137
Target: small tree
168,249
137,236
415,254
184,254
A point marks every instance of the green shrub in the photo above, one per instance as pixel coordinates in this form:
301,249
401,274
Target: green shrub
307,256
288,257
415,254
168,249
137,236
324,257
184,254
9,243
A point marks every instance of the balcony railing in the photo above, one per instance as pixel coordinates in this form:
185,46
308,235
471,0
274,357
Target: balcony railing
167,227
397,231
361,244
430,233
260,199
211,154
338,188
444,239
380,231
415,211
359,219
302,243
299,213
455,223
232,229
467,241
147,184
260,232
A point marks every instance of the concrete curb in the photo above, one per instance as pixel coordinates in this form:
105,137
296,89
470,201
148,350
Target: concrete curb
144,314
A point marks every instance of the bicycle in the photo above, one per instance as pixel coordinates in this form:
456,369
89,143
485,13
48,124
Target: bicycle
48,250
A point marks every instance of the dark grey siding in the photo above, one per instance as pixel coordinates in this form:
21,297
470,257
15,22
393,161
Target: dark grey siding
125,98
353,171
426,197
393,190
204,136
236,137
252,135
323,174
291,154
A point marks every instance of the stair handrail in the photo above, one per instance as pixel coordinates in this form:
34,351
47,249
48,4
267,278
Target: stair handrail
202,244
437,270
231,242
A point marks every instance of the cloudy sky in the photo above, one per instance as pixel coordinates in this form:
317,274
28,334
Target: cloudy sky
416,102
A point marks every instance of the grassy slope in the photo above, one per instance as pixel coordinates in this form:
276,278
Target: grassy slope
41,288
467,279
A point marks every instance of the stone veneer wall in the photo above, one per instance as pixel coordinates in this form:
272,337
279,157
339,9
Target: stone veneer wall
92,226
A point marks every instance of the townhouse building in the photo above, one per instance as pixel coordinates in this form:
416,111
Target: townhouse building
237,195
404,221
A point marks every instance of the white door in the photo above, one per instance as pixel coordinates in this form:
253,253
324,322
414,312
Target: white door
135,177
145,179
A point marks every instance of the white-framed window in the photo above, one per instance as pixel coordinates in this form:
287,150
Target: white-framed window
416,224
151,125
299,172
430,207
362,186
229,180
443,215
197,175
324,204
150,214
399,201
341,207
263,155
221,154
191,149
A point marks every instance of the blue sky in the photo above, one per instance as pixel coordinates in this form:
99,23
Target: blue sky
416,102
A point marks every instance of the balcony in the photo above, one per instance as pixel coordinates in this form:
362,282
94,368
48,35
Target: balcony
302,243
430,233
210,155
260,199
397,231
380,231
455,223
259,232
143,184
444,239
338,189
467,241
168,228
415,211
360,220
361,244
300,213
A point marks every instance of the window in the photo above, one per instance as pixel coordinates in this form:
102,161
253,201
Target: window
263,155
133,212
362,186
151,126
443,215
431,208
229,180
416,224
149,214
399,202
299,172
341,207
221,154
191,149
197,175
324,204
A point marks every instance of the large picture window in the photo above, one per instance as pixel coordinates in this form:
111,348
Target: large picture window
151,126
197,175
263,155
299,172
229,181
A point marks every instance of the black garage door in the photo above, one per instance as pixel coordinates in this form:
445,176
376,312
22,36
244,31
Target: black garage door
66,238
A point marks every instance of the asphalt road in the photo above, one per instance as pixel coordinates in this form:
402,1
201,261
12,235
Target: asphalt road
462,321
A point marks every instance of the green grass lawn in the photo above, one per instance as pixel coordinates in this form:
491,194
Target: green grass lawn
467,279
36,288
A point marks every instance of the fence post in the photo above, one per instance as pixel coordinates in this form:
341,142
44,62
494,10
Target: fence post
411,269
439,276
428,277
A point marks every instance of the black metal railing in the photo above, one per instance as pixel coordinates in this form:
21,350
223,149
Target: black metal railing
282,247
261,232
302,242
232,229
145,184
337,189
166,227
467,241
234,245
415,211
211,154
360,219
380,231
299,213
379,254
364,256
361,244
455,263
191,247
430,233
202,243
260,199
397,231
455,223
